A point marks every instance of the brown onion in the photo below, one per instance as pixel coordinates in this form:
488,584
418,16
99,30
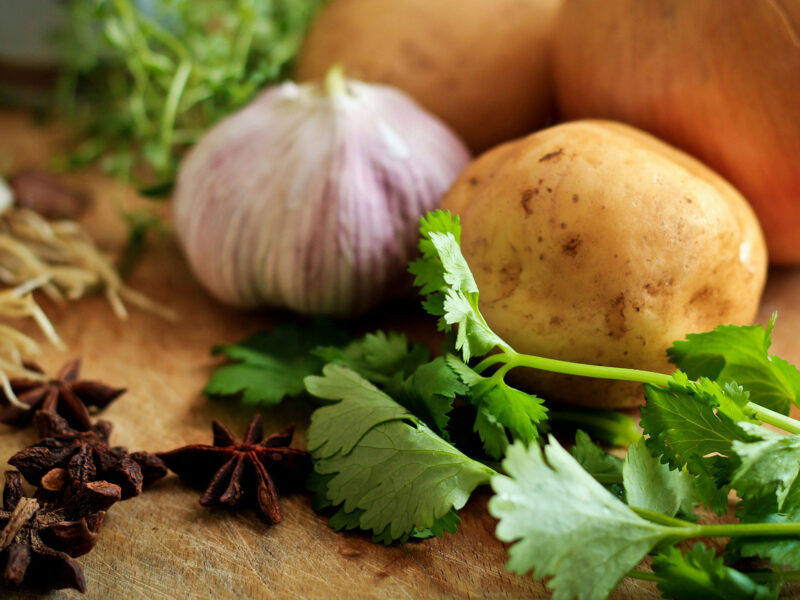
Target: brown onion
718,79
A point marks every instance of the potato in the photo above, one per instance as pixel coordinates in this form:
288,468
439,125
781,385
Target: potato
482,66
595,242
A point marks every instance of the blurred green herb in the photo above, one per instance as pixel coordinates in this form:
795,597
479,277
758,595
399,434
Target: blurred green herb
143,79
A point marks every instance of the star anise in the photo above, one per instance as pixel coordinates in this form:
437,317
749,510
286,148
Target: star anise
37,543
65,395
234,473
66,456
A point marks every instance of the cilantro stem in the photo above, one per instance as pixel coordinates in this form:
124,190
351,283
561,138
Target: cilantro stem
773,418
732,530
606,478
643,575
514,360
571,368
657,517
758,577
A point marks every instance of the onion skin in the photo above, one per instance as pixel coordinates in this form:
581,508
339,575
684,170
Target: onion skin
719,80
482,66
311,201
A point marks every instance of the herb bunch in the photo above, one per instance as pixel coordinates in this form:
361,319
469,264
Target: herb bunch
390,458
147,78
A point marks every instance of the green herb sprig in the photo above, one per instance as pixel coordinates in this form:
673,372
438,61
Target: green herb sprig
145,79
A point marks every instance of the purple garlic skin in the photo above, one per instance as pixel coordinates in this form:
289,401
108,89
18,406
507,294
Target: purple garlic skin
309,199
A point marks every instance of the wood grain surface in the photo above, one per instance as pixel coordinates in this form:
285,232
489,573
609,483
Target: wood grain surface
163,544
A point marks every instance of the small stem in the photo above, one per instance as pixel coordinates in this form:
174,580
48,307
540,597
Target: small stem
758,577
582,370
335,83
643,575
773,418
749,530
690,528
774,576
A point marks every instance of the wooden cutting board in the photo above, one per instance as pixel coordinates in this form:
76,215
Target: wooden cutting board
163,544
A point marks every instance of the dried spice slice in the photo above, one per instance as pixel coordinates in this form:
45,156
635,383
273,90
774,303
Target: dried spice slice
65,395
66,456
236,473
38,543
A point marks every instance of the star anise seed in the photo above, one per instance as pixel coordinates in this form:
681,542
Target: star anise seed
66,456
37,542
234,473
65,395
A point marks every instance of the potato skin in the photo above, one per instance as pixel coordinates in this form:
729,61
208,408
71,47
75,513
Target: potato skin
594,242
482,66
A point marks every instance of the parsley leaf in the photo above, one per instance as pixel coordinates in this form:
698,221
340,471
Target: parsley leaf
444,277
270,366
653,486
698,575
566,525
742,354
383,460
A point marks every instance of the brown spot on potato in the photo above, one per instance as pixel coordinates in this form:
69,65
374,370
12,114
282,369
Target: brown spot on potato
555,320
575,198
571,247
552,155
615,318
701,294
525,201
473,181
563,226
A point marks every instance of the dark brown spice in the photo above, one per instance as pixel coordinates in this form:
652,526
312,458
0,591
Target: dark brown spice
66,456
65,395
234,473
38,543
45,193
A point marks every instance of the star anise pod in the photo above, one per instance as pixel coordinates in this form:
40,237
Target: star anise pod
66,456
65,395
234,473
37,542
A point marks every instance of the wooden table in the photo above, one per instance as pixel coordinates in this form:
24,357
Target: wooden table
163,544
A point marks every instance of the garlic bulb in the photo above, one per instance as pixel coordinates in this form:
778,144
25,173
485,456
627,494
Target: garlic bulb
310,197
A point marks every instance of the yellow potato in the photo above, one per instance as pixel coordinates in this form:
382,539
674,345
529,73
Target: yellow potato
482,66
595,242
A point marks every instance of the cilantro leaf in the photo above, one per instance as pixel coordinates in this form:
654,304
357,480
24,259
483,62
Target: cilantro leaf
742,354
698,575
770,465
685,423
377,356
384,461
499,404
653,486
445,278
592,457
783,552
357,408
609,426
491,432
565,523
604,467
428,393
270,366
